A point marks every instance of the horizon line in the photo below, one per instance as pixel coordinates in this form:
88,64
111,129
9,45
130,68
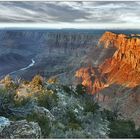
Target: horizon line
45,28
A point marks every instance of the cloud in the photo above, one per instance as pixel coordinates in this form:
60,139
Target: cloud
72,13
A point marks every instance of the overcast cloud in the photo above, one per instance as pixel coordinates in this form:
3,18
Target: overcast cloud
71,14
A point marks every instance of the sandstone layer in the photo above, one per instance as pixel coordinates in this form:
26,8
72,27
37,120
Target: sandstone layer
122,68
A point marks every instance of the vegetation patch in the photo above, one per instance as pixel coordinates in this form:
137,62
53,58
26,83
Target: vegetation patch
43,122
47,99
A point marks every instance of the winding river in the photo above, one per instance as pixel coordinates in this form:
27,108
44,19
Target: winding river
25,68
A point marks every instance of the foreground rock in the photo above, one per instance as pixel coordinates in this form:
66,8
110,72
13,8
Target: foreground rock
4,122
43,112
21,129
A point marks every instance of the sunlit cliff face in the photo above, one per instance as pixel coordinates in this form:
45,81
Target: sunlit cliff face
122,68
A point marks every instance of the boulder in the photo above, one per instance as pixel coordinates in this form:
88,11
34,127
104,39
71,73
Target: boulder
4,122
43,112
21,129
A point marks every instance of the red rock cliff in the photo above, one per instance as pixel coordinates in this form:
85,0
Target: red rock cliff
122,68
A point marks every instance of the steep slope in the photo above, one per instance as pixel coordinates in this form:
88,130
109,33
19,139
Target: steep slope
116,82
122,68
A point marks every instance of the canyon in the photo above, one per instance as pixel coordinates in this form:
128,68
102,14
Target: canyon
54,104
54,52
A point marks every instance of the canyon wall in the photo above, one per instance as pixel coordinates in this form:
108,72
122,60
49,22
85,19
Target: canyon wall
122,68
115,82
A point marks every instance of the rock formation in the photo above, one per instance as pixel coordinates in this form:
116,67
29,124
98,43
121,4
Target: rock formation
122,68
19,129
4,122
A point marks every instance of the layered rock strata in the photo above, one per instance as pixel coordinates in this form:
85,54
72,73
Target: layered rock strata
122,68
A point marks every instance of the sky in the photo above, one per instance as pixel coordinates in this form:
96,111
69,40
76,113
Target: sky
79,15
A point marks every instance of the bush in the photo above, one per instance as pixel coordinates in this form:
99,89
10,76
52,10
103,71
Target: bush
37,82
43,123
90,104
21,101
72,119
6,100
74,126
121,129
137,133
53,80
106,114
91,107
80,89
9,83
47,99
67,89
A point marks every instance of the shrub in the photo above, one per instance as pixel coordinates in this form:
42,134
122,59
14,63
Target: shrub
21,101
25,82
9,83
121,129
91,107
72,119
137,133
74,125
90,104
37,82
47,99
80,89
53,80
6,99
109,115
43,123
66,89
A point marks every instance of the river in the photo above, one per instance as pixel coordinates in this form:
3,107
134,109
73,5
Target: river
22,69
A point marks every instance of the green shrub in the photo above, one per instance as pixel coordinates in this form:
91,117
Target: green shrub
6,99
137,133
71,117
91,107
21,102
80,89
121,129
43,123
47,99
109,115
72,125
66,89
90,104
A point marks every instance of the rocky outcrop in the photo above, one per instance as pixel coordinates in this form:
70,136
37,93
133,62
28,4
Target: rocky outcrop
21,129
91,78
116,84
43,112
4,122
122,68
107,40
